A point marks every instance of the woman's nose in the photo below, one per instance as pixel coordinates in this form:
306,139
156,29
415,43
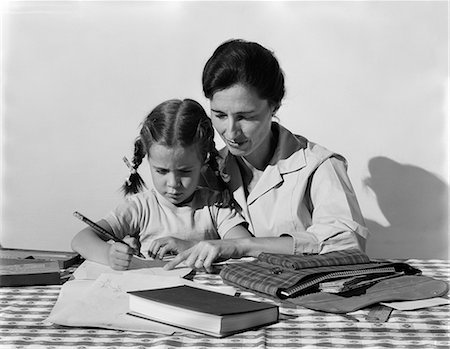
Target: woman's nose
232,126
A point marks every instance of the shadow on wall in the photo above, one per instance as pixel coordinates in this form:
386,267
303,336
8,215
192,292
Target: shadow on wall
415,203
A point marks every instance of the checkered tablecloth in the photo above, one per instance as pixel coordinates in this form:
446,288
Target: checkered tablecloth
22,311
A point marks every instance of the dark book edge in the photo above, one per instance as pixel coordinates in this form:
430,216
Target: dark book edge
197,330
40,279
29,272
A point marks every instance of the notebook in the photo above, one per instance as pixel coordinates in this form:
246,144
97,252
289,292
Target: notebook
28,272
200,310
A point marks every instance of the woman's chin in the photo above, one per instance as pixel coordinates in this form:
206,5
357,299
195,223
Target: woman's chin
240,150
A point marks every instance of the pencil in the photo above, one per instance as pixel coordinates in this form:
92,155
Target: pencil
103,232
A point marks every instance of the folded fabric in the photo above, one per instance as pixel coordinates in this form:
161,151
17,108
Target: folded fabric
288,276
296,262
403,288
352,283
293,277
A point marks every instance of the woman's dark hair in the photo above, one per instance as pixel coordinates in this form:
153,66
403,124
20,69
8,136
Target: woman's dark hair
175,123
248,63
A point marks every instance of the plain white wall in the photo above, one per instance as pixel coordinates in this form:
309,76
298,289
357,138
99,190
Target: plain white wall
366,79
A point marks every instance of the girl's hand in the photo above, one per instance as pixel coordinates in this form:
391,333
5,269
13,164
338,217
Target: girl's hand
119,255
133,242
204,253
160,247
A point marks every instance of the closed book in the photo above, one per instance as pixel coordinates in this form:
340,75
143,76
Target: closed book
200,310
28,272
64,259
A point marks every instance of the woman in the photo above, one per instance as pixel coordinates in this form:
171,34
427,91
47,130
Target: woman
295,195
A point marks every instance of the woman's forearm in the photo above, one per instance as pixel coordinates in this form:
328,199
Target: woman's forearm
254,246
247,245
205,252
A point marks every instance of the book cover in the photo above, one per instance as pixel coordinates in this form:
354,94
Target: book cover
201,310
64,259
28,272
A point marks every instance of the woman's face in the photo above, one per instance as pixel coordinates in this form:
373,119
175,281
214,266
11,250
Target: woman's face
243,120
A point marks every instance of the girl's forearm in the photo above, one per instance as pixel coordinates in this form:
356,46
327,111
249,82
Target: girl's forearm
90,246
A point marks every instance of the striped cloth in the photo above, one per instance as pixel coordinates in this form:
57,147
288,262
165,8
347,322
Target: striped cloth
23,310
296,262
271,273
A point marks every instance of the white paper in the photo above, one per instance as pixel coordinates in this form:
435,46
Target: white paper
104,302
89,270
229,290
412,305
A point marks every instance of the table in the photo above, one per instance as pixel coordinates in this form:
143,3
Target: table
23,311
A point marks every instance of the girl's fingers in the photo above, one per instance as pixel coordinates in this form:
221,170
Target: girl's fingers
121,248
120,256
153,249
131,241
163,250
156,246
123,257
120,264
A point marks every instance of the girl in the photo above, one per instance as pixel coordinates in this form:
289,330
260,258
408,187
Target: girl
177,138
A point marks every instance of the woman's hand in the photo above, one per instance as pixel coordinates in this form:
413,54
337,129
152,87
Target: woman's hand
204,253
160,247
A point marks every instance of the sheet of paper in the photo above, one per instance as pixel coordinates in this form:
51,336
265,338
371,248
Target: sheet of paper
89,270
104,302
412,305
225,289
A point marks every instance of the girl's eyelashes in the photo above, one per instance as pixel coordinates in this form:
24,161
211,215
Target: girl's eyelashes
165,171
162,171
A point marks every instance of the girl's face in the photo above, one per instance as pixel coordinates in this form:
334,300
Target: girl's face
243,120
175,171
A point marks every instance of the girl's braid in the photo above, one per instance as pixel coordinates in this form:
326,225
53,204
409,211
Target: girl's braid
134,183
213,159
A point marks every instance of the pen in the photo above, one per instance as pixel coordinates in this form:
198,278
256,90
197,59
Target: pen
103,232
